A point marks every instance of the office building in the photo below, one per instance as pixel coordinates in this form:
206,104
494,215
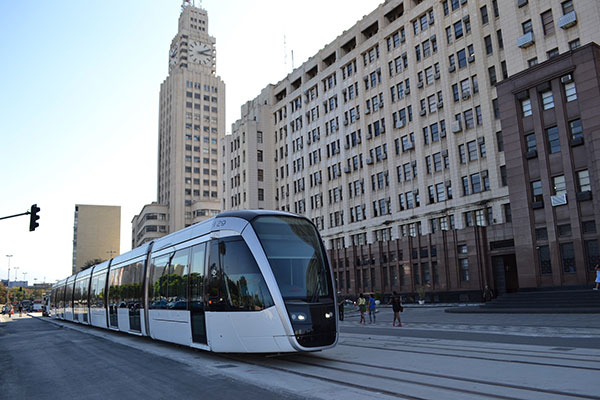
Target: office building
96,234
390,139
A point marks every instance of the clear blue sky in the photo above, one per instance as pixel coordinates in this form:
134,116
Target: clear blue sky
79,102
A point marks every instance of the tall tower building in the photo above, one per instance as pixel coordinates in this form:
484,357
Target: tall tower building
191,123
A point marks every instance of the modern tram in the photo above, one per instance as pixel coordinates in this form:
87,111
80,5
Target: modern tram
252,281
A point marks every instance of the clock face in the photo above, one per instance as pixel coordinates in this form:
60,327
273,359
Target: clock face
200,53
173,56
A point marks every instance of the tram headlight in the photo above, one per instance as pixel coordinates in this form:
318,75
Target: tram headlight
298,317
328,315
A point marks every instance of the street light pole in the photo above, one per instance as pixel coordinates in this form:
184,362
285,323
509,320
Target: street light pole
8,281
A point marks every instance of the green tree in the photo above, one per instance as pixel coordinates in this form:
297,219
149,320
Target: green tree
91,263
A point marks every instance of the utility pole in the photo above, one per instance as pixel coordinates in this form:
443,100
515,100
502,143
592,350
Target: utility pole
8,281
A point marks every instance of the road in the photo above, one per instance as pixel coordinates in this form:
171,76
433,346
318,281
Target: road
435,355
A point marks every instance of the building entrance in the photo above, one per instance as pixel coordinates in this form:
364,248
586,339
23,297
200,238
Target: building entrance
506,279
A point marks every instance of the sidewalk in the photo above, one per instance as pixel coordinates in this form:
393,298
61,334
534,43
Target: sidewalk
423,317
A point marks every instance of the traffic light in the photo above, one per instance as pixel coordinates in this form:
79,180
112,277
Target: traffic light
33,217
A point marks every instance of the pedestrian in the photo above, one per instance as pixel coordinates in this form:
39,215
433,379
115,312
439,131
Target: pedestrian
397,308
372,308
362,307
20,309
340,305
597,276
487,293
10,310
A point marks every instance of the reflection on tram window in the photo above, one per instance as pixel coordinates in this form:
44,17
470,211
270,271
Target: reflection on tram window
158,284
235,281
296,257
168,285
177,281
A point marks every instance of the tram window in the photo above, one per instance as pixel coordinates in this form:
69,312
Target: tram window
69,295
294,251
214,290
245,285
197,276
158,283
97,290
235,281
114,295
130,288
177,280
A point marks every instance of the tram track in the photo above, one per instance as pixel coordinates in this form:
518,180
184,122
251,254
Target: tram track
374,347
324,366
455,378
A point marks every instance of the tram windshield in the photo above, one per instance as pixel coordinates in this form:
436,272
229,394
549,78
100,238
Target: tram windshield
294,250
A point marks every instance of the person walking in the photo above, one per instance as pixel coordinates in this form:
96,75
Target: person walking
362,307
397,308
597,276
372,308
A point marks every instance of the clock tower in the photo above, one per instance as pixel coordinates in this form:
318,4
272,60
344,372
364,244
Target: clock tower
191,126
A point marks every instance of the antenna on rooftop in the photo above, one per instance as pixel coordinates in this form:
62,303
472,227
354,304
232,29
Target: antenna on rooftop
284,52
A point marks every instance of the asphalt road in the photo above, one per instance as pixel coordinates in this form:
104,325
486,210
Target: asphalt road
435,355
40,360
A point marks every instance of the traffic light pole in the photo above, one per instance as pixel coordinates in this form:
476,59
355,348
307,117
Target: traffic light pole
33,212
16,215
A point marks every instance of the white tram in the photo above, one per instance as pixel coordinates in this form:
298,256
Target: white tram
244,281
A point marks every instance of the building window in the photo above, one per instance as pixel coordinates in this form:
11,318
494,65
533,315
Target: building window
530,142
553,140
492,75
567,254
544,259
503,176
574,44
548,100
532,61
583,181
567,6
526,107
468,218
536,191
570,91
564,230
552,53
592,254
576,129
507,212
488,45
559,185
484,15
527,27
547,23
499,141
464,270
541,234
500,40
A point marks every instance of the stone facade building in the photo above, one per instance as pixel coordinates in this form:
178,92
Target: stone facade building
191,123
391,140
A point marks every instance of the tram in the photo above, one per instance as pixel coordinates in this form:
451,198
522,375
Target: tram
251,281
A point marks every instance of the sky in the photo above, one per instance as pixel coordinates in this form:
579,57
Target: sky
79,86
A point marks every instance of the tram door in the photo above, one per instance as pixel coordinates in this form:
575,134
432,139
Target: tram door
196,297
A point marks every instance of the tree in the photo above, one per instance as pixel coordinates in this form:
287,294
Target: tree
91,263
